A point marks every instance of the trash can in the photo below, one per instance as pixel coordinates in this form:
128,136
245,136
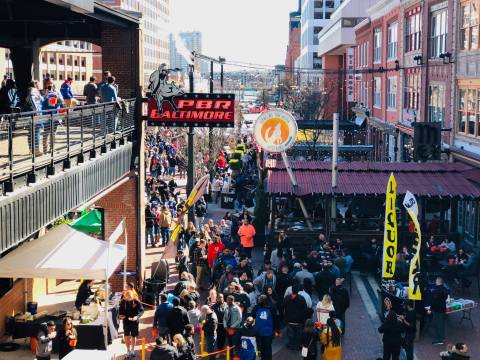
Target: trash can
32,307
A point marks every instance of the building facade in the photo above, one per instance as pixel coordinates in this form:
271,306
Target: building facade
315,15
192,41
403,52
154,22
293,47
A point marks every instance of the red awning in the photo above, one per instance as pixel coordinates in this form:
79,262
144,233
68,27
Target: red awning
354,179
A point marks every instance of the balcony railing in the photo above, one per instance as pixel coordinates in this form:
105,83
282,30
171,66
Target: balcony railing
32,140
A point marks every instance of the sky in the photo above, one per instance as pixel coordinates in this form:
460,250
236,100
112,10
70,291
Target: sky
253,31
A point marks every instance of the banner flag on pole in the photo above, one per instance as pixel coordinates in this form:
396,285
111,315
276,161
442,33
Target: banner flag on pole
197,192
390,234
414,291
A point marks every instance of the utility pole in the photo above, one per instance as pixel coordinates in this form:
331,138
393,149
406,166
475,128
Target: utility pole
333,214
191,160
210,130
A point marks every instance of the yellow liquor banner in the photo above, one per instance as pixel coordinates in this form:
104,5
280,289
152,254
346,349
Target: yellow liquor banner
390,234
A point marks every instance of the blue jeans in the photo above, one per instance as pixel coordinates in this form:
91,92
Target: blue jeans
38,129
210,342
408,345
151,236
165,235
171,170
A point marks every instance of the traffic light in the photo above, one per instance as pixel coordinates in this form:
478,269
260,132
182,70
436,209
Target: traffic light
427,141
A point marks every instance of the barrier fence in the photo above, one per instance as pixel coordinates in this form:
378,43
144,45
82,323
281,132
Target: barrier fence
30,140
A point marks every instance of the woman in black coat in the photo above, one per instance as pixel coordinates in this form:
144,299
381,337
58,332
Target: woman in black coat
392,336
84,292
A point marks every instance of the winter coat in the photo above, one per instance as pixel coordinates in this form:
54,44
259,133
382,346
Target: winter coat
260,282
164,352
233,317
177,319
295,309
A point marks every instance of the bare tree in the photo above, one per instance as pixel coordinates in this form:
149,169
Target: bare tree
312,105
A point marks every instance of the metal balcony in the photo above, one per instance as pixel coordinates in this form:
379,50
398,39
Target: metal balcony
57,139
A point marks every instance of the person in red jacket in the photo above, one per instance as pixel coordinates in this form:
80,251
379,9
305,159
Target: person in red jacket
214,248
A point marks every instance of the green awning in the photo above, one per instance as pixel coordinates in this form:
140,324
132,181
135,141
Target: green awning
89,223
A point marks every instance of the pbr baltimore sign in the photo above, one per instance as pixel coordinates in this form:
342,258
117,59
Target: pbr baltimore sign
169,105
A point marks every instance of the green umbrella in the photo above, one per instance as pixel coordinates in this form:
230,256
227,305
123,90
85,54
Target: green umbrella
89,223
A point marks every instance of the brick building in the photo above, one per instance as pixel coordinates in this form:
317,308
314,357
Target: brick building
293,47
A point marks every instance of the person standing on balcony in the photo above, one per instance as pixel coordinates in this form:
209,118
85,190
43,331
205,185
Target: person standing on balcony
108,93
90,91
33,102
9,99
52,100
66,91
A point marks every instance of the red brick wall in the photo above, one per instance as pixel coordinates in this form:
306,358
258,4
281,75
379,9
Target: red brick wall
119,204
13,300
121,55
293,52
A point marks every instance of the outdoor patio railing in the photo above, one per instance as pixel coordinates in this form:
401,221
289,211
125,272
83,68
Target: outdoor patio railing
32,140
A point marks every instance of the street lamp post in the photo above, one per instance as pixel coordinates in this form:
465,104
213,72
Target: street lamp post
191,165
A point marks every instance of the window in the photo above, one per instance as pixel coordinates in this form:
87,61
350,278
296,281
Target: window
438,36
316,31
75,62
83,62
318,15
391,93
76,77
377,88
84,77
60,76
413,32
392,41
52,60
436,103
468,111
365,54
412,91
360,55
469,26
377,45
69,60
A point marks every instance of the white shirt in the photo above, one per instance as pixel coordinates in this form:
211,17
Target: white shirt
323,312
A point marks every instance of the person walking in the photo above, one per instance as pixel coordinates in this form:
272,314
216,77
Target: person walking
131,310
248,340
323,309
331,340
209,326
409,322
9,99
149,225
201,262
296,312
177,318
341,301
232,320
165,221
438,308
161,315
66,91
90,91
310,338
217,185
392,330
246,232
265,324
220,307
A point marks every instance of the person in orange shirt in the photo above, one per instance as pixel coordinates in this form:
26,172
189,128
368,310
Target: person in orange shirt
247,233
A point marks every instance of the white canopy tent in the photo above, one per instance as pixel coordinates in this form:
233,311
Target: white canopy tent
63,253
69,254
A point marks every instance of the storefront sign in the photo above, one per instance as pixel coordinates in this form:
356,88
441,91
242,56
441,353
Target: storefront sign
414,291
169,105
390,235
275,130
197,110
350,77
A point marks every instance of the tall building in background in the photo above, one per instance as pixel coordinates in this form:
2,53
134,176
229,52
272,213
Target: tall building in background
192,41
293,47
315,15
155,20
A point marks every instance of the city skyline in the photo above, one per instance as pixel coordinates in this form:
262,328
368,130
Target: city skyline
230,43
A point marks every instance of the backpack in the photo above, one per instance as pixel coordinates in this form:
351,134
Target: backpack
264,321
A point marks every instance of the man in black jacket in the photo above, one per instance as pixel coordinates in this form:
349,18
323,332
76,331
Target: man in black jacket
295,315
177,318
323,281
164,351
341,301
210,324
220,307
438,308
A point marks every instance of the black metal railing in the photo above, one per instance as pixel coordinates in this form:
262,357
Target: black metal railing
32,140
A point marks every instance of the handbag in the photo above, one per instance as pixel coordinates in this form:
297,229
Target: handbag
304,352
